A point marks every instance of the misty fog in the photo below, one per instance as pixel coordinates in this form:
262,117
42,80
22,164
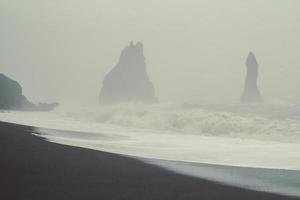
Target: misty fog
60,50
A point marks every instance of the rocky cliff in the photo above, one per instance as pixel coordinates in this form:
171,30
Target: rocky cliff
11,97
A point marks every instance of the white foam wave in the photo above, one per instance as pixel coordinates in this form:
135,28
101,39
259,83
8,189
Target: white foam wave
239,121
230,135
256,122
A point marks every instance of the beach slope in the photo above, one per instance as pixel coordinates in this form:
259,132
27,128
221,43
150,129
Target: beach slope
35,169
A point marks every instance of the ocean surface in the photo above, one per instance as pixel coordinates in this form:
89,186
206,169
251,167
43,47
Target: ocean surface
264,136
255,147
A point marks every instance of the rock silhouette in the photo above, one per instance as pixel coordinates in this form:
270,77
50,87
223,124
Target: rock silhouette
251,92
128,80
11,97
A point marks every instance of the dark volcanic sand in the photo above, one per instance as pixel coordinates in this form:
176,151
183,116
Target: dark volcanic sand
34,169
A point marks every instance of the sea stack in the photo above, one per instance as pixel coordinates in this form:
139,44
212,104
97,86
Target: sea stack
12,98
251,92
128,81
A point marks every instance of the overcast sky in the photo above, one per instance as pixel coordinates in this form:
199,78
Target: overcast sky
60,50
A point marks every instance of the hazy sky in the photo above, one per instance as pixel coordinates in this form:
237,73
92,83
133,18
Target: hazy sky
195,49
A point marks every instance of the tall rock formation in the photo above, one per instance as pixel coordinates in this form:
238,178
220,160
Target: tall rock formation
128,80
251,92
11,97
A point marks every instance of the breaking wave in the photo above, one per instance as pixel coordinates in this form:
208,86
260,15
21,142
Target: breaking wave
259,122
215,134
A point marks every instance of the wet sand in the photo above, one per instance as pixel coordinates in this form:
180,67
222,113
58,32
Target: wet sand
32,168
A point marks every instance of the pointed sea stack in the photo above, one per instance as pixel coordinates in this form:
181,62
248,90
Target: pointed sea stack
251,93
128,81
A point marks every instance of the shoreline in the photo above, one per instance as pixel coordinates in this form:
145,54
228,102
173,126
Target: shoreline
33,168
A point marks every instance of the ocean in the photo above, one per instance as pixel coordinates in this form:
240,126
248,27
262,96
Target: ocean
263,136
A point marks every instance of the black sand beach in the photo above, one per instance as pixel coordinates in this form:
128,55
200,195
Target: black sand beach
34,169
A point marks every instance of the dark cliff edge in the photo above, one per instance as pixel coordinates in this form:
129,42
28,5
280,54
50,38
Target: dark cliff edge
12,98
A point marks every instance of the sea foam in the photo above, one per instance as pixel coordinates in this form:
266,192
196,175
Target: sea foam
219,134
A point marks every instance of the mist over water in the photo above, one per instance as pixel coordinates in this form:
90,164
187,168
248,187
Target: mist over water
260,122
268,122
194,53
238,135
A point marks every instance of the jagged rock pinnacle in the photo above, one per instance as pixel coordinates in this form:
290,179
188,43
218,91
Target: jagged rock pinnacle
128,81
251,92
